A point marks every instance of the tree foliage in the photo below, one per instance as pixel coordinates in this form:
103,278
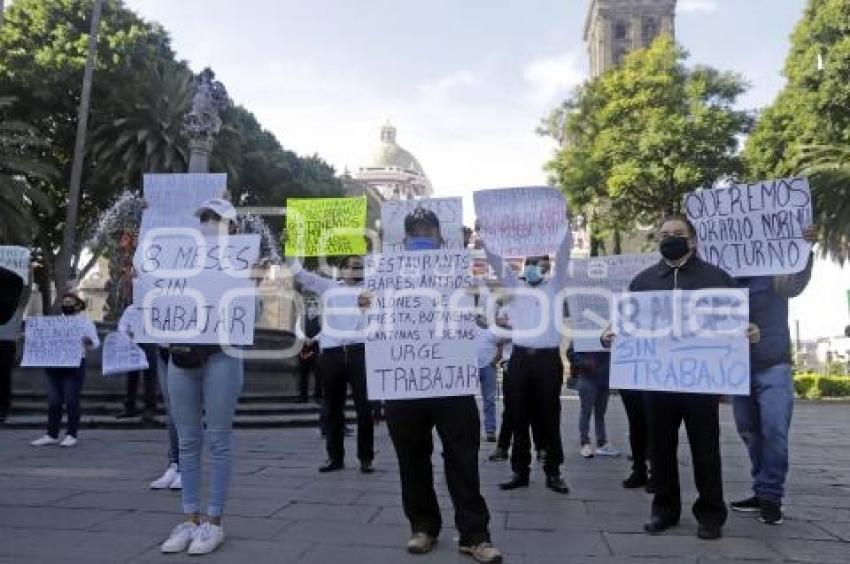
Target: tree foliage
807,128
635,139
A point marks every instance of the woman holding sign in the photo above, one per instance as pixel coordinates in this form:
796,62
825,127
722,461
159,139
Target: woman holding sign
64,385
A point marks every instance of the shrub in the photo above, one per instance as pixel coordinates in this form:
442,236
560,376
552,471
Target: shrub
812,386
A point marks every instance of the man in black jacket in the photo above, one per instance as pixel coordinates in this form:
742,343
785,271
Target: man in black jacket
681,268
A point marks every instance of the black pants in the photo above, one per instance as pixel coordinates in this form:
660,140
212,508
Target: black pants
340,367
7,363
149,378
634,402
411,424
535,379
666,411
64,387
506,431
306,366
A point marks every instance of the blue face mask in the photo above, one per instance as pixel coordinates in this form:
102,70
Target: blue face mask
532,274
421,244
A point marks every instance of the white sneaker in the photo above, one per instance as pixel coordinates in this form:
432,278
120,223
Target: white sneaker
607,450
69,441
45,441
165,480
177,482
206,539
587,451
180,538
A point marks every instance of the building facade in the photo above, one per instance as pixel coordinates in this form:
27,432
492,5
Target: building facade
393,171
613,28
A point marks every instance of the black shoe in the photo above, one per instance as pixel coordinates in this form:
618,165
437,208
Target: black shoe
636,480
541,455
498,455
331,466
771,513
651,488
749,505
706,532
366,467
516,481
127,414
656,525
557,484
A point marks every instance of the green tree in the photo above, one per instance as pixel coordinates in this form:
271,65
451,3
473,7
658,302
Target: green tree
808,125
635,139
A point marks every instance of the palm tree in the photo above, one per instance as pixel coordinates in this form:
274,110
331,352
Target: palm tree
148,138
20,171
828,168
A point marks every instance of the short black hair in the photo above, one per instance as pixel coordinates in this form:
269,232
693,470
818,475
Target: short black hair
420,216
692,230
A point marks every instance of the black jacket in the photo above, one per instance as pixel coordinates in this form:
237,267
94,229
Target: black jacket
696,274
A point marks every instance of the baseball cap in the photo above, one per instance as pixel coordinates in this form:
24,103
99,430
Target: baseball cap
218,206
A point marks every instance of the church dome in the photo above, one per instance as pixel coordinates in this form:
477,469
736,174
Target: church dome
394,170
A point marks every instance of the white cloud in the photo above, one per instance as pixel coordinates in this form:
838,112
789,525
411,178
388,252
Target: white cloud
698,6
553,77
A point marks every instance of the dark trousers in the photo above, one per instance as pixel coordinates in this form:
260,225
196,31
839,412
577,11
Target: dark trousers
306,366
666,411
506,430
411,424
149,381
341,367
535,379
7,363
64,386
634,402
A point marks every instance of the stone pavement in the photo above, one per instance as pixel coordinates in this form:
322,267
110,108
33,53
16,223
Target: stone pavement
91,504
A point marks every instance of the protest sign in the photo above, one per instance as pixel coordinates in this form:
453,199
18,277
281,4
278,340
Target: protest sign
448,210
682,341
520,222
121,355
421,327
54,341
16,259
325,227
172,199
753,229
592,285
196,290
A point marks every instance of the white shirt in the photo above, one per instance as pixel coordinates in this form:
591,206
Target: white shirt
487,346
535,312
129,319
343,321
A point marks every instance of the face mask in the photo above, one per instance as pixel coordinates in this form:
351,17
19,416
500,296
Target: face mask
532,274
212,229
420,244
674,248
69,310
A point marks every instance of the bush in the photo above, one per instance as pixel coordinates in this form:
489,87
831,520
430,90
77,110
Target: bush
813,386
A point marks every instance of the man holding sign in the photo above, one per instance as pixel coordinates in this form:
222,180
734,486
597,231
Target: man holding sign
680,269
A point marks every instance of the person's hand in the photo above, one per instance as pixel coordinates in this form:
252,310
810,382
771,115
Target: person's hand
753,333
364,300
810,234
608,337
88,342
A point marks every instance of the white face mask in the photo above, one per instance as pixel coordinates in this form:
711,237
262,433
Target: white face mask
213,228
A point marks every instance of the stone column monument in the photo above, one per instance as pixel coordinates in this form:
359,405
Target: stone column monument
203,122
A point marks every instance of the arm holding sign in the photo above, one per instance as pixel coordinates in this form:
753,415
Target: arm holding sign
505,275
311,281
562,259
90,338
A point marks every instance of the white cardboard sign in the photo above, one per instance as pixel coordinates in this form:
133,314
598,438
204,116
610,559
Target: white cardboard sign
753,229
421,329
682,341
54,341
121,355
448,210
173,198
16,259
521,222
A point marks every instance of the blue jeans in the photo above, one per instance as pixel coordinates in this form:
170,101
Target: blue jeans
487,376
162,375
64,386
763,420
593,397
205,395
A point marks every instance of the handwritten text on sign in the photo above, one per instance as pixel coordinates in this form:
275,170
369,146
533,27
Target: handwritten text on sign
682,341
54,341
196,290
325,226
593,284
172,199
16,259
122,355
421,326
448,210
753,229
520,222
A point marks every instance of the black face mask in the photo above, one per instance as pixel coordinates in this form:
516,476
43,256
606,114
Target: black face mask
674,248
69,310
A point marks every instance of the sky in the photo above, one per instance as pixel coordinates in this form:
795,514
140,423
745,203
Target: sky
465,81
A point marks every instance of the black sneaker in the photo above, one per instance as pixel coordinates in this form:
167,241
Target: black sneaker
771,513
636,480
749,505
